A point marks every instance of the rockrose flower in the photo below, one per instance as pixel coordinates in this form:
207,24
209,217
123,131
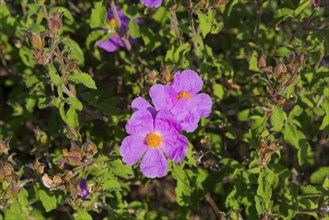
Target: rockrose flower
152,3
181,98
114,42
152,137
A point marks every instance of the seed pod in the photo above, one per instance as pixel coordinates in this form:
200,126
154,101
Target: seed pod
89,148
220,3
41,57
4,145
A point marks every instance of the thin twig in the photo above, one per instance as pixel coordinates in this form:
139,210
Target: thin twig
174,24
195,43
213,206
115,14
258,18
123,36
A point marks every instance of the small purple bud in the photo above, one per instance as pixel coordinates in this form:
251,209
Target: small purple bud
83,188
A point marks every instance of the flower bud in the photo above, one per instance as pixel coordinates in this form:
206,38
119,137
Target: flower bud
35,39
186,4
279,69
315,3
73,134
261,61
55,22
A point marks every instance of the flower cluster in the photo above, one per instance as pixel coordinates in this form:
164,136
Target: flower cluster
156,132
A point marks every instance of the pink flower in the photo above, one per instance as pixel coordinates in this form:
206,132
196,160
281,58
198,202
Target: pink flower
152,137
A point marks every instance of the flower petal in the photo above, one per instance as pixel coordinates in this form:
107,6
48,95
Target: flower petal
132,149
140,103
188,81
154,163
163,97
165,124
140,124
111,44
175,147
186,112
203,103
151,3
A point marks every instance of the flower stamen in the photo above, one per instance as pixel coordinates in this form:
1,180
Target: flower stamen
153,140
113,23
184,94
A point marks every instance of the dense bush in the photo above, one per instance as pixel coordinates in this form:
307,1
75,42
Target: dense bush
87,88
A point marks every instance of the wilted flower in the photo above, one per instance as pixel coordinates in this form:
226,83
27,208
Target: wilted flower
151,137
115,41
151,3
4,145
83,188
181,98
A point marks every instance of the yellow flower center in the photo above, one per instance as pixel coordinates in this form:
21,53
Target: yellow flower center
153,140
184,94
113,23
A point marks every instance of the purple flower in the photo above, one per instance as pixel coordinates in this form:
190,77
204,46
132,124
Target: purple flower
181,98
114,42
152,136
152,3
83,188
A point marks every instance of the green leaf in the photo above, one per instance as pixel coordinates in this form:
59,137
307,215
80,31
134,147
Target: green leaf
111,184
133,29
318,176
282,14
205,24
53,75
296,111
253,62
277,118
161,15
75,103
71,117
74,51
183,188
325,122
22,197
98,15
151,39
218,91
258,123
82,215
121,169
82,78
301,7
180,51
310,190
48,202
